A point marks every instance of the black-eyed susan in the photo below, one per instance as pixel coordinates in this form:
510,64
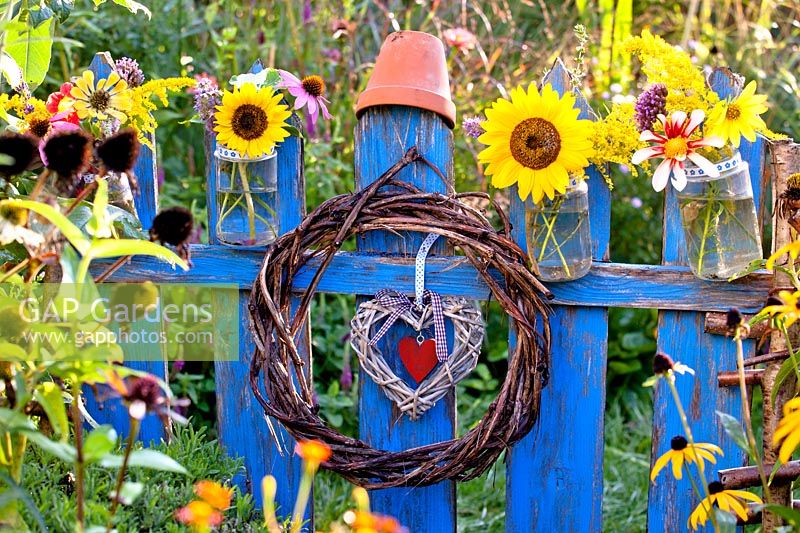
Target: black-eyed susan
792,250
251,121
787,312
534,140
739,117
665,367
681,452
734,501
108,98
788,432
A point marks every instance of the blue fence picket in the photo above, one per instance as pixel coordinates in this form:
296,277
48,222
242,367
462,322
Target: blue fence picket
111,411
555,474
242,428
681,335
383,135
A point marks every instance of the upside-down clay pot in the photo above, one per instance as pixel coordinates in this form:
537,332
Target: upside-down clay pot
411,70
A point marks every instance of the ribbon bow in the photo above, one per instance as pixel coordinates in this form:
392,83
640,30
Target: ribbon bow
400,304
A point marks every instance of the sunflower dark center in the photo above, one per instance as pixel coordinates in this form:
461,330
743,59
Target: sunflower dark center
249,121
99,100
535,143
314,85
678,443
39,127
16,215
733,112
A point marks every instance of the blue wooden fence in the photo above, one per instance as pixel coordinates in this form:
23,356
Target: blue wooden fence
555,475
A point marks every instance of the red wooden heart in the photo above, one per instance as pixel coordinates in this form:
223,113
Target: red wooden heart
419,359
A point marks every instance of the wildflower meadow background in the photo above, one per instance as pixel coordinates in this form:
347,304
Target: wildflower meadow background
493,45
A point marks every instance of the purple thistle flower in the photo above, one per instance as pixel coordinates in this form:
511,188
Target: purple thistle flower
128,69
206,97
473,127
649,105
346,379
307,12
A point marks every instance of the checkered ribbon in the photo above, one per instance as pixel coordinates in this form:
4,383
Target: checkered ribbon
399,303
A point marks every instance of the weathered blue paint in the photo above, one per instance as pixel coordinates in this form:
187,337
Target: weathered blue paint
382,137
680,334
111,411
555,474
242,427
606,285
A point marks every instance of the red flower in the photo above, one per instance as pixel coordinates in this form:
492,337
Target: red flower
60,103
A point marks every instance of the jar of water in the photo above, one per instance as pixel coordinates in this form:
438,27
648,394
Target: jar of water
558,236
247,190
719,220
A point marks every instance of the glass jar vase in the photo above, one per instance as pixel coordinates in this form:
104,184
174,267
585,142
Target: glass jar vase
247,191
558,235
719,221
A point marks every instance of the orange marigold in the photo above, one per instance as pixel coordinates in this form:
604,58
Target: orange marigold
214,494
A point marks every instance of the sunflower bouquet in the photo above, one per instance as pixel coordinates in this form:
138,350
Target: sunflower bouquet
89,129
694,136
250,121
536,141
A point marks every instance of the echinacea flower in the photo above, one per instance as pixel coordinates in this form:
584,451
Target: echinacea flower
214,494
20,148
106,99
310,92
727,500
173,226
13,219
141,394
250,120
682,452
788,311
199,516
733,119
534,140
675,146
460,38
118,152
67,152
313,452
788,432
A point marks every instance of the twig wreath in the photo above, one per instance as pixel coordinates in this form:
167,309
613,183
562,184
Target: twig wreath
277,324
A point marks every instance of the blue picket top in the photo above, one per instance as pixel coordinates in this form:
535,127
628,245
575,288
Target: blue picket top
681,335
558,467
242,429
111,411
383,135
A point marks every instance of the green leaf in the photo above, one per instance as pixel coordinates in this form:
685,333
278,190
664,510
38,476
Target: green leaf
118,247
12,352
11,72
40,15
726,522
99,225
129,492
145,459
99,443
69,230
62,8
734,430
31,48
62,450
788,367
754,266
50,397
134,7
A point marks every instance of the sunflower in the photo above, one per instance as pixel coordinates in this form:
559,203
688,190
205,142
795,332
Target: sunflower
682,452
534,140
788,432
733,119
109,98
727,500
787,312
251,121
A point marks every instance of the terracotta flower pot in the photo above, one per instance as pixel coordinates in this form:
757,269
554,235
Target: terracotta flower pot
411,70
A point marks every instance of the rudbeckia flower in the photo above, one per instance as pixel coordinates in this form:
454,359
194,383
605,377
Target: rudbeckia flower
681,452
310,92
728,500
788,432
733,119
787,311
675,146
792,250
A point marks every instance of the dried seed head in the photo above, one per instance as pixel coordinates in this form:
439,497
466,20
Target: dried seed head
146,390
67,153
20,148
678,443
119,151
662,363
172,226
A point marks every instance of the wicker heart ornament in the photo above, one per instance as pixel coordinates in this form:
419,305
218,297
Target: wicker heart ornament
433,382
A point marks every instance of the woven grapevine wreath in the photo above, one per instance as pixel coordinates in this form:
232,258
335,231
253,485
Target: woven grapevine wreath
279,324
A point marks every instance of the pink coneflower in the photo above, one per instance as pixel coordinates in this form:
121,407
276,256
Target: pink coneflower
307,92
675,147
460,38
